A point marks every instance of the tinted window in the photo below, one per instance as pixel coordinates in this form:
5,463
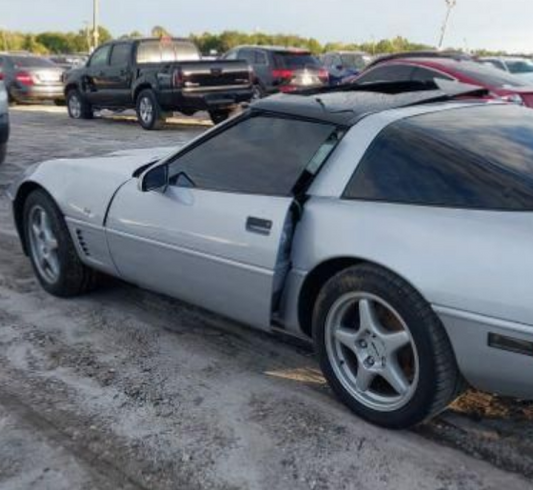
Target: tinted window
260,155
427,75
31,62
389,73
120,54
247,55
99,58
157,51
295,61
261,58
468,158
520,66
488,75
351,60
232,55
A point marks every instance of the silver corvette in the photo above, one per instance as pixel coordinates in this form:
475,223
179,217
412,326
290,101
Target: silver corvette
394,230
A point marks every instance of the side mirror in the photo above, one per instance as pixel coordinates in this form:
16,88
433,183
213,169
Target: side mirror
155,179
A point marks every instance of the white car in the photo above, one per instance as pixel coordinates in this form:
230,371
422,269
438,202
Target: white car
521,67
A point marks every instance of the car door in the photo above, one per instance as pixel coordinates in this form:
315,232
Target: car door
219,235
118,76
94,83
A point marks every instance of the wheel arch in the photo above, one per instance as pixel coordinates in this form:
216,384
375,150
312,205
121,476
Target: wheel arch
70,86
144,85
320,275
18,208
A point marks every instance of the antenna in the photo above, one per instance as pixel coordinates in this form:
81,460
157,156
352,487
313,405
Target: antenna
450,4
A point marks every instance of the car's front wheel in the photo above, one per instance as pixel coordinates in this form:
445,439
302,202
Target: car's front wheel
77,106
382,349
149,112
52,252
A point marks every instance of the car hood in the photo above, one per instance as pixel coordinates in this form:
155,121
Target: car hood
83,188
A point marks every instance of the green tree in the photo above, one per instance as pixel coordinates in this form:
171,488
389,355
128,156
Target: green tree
158,31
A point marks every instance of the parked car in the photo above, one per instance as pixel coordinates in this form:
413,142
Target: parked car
31,78
521,67
4,121
69,61
344,64
394,230
427,68
280,69
156,76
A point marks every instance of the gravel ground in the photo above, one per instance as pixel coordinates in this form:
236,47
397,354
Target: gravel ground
128,389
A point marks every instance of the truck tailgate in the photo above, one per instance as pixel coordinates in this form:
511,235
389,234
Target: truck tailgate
215,74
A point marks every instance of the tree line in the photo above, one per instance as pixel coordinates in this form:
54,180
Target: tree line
80,41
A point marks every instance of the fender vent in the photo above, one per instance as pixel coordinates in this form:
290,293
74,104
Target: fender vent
82,243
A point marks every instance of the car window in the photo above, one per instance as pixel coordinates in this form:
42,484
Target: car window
120,55
494,64
520,67
31,62
247,55
259,155
479,158
99,58
295,60
260,58
232,55
159,50
388,73
427,75
487,74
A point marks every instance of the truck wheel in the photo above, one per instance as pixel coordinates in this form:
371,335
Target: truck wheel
3,151
258,92
220,115
78,107
382,348
149,112
52,252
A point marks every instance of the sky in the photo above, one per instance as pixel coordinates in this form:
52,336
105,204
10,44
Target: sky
474,24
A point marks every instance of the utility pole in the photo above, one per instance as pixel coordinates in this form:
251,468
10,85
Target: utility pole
450,4
96,9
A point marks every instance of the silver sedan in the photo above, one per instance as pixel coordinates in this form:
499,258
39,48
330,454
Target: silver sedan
394,231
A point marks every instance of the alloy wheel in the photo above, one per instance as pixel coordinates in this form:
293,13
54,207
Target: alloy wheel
44,245
371,351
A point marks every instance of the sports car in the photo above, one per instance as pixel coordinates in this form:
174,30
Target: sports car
393,229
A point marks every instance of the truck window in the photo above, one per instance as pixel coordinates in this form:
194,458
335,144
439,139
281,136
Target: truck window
120,55
157,51
100,56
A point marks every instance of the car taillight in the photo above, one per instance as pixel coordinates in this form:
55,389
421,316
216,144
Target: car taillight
323,74
177,78
283,74
1,76
24,78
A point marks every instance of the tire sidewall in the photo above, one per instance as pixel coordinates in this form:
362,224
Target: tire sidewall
156,111
411,307
71,95
65,245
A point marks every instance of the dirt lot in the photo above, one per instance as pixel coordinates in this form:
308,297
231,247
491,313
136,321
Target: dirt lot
127,389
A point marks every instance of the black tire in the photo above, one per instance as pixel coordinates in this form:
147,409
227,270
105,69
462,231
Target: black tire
3,152
220,115
188,112
439,380
258,92
74,277
78,107
60,102
154,118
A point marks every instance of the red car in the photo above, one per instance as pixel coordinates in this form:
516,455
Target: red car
427,68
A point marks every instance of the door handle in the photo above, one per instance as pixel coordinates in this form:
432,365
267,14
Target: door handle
258,225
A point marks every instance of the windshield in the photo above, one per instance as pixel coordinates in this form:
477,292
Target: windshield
296,61
488,75
157,51
356,61
32,61
520,66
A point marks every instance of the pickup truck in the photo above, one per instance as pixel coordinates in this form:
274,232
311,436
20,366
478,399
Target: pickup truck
156,77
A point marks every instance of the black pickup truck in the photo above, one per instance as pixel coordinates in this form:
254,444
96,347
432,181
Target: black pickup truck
156,77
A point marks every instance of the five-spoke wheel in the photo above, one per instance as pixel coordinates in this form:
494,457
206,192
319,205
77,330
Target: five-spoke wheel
44,245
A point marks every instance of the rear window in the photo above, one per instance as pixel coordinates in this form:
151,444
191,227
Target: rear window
520,66
477,158
158,51
488,75
31,62
295,61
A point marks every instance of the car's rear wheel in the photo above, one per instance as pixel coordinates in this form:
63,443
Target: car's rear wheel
382,348
220,115
3,152
78,107
52,252
149,112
